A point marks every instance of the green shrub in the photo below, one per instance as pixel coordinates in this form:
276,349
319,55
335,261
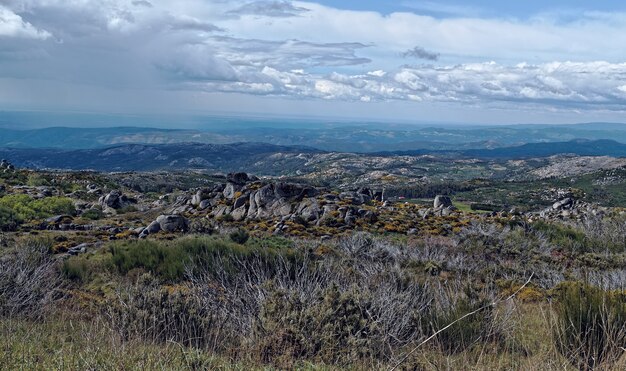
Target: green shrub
27,208
9,221
76,269
170,259
36,180
93,214
563,237
152,256
590,325
239,236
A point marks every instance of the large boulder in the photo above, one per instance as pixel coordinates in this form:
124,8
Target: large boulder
115,200
442,202
231,189
565,203
173,223
200,195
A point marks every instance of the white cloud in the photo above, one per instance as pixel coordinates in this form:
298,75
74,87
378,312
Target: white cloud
13,25
307,51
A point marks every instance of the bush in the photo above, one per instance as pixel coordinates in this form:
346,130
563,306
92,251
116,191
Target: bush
26,208
164,261
76,269
239,236
9,221
29,279
466,332
93,214
171,260
337,328
590,325
151,312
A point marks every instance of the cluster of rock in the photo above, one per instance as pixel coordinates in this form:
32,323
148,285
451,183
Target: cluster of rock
6,166
64,223
115,200
570,207
442,206
93,189
166,223
243,197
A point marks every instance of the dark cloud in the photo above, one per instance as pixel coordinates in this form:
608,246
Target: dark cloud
278,9
192,24
420,53
142,3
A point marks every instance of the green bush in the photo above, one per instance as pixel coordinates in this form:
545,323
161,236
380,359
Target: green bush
170,259
36,180
590,325
155,257
239,236
9,221
93,214
76,269
27,208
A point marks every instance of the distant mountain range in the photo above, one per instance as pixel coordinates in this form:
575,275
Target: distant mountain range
580,147
141,157
262,158
364,138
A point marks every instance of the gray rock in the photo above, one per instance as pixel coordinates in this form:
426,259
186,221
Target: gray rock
204,204
230,190
239,213
563,204
173,223
115,200
239,202
442,202
154,227
201,195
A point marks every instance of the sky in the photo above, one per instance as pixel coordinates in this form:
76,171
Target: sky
442,61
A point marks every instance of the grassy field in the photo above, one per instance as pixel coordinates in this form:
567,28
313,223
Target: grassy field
60,342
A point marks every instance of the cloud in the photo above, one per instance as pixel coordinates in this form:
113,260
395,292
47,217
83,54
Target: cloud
192,24
12,25
592,85
279,9
421,53
323,54
142,3
444,9
287,54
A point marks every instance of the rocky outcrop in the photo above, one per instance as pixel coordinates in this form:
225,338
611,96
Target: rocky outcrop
569,207
115,200
167,223
245,197
173,223
442,206
6,166
442,202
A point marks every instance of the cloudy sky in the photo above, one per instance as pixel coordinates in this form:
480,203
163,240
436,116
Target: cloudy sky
449,61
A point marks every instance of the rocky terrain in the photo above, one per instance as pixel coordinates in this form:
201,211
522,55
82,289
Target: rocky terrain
151,258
